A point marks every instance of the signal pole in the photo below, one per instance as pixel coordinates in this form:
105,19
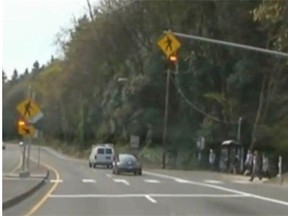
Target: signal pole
172,61
165,118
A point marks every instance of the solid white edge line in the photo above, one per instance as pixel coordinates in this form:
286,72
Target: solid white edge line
213,181
221,188
20,179
150,199
241,182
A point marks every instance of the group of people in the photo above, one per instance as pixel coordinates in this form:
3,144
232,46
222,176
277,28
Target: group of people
256,164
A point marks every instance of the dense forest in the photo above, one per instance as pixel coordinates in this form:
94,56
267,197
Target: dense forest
109,81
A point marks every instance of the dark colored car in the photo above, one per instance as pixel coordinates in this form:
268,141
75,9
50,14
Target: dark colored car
127,163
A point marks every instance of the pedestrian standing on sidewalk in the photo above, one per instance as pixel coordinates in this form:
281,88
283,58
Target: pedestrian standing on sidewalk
248,163
266,166
257,169
212,158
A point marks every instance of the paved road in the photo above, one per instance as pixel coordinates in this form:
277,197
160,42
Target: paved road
80,190
10,158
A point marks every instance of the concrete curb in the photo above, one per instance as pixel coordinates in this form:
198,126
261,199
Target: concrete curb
15,200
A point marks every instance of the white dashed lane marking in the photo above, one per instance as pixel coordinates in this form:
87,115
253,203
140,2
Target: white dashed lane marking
151,181
88,181
122,181
56,180
241,181
181,180
213,181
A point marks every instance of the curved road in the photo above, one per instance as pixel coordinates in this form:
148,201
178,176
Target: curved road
11,158
76,189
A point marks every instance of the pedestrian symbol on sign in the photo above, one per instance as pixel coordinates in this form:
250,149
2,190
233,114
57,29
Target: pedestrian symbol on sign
168,43
27,109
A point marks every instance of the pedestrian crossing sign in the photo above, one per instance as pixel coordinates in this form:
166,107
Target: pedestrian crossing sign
169,44
29,110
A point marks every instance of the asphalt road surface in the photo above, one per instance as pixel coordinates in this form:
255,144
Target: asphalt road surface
76,189
11,157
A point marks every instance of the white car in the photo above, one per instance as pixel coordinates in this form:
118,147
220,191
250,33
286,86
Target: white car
102,155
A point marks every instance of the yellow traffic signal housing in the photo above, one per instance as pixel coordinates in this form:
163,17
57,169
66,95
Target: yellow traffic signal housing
23,128
173,58
172,61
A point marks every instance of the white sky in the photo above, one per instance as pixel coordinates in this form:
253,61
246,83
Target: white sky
30,28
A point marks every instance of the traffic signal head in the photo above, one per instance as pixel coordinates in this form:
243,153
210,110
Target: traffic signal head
21,123
172,62
173,58
23,128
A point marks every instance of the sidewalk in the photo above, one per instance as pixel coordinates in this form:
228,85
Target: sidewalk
16,189
276,180
237,177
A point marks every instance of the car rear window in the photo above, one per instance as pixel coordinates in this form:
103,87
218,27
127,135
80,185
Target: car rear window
126,158
100,151
108,151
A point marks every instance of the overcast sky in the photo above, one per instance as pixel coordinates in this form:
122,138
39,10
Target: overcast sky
30,27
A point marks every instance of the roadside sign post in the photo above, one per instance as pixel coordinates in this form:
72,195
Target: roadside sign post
280,169
40,138
169,44
134,144
35,111
31,113
241,153
24,172
23,157
134,141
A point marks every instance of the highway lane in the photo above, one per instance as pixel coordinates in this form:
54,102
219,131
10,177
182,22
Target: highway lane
85,191
10,158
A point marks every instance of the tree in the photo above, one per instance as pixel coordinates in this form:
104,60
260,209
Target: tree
15,76
4,77
26,72
272,15
215,85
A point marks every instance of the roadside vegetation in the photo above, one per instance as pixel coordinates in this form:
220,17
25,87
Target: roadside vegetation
85,103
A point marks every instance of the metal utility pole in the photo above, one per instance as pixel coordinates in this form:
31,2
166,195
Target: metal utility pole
28,142
26,149
239,141
280,169
24,157
231,44
39,141
165,118
29,139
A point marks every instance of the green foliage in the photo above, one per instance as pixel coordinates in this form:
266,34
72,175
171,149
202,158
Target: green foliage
84,102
